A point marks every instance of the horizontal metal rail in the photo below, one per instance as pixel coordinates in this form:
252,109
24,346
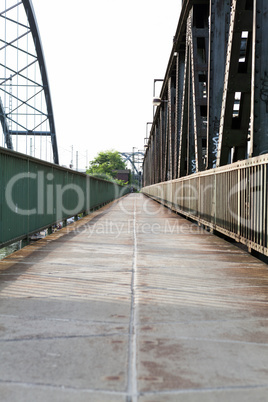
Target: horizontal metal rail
36,195
231,199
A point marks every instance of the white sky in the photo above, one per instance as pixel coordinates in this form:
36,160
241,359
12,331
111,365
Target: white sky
102,57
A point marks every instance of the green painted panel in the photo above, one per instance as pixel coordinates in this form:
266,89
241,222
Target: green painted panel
36,194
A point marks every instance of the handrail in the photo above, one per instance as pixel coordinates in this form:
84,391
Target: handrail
231,199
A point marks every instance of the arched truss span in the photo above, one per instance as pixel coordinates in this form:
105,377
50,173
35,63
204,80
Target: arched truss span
134,158
26,113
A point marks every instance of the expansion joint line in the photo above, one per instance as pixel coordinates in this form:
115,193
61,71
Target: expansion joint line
132,363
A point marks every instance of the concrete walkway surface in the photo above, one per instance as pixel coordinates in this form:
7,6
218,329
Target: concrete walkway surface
133,303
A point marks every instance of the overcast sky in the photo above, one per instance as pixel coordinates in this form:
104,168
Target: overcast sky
102,57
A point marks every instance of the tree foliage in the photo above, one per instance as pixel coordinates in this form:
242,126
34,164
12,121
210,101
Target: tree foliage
105,164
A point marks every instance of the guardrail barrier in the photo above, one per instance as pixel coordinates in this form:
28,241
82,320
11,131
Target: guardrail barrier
231,200
36,195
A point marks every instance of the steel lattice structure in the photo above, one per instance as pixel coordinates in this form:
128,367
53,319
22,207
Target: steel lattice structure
134,158
26,112
214,97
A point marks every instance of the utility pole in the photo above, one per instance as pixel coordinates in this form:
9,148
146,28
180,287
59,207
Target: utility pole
72,156
87,161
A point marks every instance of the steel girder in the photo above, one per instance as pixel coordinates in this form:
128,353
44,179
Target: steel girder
259,83
26,109
214,108
218,38
235,110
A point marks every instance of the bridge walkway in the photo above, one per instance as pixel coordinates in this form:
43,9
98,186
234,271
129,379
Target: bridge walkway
133,303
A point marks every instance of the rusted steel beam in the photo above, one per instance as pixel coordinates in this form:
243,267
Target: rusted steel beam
171,124
215,91
182,168
199,67
218,39
235,112
180,65
259,83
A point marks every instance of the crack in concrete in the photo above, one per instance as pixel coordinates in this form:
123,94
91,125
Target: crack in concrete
132,369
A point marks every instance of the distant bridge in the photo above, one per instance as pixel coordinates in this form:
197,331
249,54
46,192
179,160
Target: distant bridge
135,159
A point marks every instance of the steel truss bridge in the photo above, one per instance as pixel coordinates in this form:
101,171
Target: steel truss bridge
26,113
207,153
135,159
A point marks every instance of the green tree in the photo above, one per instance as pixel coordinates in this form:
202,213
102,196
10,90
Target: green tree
105,164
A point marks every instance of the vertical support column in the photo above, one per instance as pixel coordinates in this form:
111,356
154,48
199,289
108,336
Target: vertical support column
160,130
165,142
235,113
157,156
193,132
191,123
168,155
151,159
171,124
259,83
145,169
184,119
163,131
148,169
218,35
180,64
198,41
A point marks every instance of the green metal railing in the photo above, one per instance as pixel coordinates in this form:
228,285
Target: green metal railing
231,199
36,195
